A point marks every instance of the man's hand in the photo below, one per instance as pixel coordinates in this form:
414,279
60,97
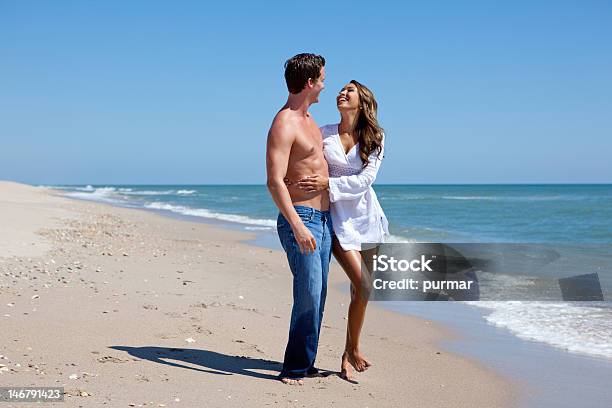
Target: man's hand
304,239
313,183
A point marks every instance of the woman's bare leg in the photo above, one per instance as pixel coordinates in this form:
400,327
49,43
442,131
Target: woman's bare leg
350,261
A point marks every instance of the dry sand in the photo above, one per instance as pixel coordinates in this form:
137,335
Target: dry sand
123,306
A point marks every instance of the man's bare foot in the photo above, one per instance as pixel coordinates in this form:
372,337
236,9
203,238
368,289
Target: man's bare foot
357,360
292,381
345,368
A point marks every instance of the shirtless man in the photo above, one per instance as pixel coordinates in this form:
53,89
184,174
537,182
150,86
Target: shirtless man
294,151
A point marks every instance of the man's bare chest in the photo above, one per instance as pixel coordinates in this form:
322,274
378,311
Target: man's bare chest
308,143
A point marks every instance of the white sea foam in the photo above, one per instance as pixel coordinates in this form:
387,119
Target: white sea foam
130,191
505,283
102,194
86,188
147,192
204,213
569,326
125,191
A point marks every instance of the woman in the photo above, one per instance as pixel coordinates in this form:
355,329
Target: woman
353,149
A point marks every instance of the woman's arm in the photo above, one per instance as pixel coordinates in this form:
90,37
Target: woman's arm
352,187
346,187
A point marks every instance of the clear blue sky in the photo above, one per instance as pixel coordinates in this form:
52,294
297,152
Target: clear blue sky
184,92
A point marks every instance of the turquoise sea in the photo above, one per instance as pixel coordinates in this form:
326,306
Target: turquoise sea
436,213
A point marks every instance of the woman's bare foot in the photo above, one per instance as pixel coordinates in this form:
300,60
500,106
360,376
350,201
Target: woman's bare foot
345,368
292,381
357,360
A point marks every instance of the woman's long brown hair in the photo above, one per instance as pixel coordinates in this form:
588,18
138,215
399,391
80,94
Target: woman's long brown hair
369,133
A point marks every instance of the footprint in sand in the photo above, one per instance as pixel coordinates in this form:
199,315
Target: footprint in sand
110,359
200,329
166,336
175,314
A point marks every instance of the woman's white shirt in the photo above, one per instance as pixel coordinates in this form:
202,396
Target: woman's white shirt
357,216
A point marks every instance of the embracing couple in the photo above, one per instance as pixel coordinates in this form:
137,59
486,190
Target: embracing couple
321,181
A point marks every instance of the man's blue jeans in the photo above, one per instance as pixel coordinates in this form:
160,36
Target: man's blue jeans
310,272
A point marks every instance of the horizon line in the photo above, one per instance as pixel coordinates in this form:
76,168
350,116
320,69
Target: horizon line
376,184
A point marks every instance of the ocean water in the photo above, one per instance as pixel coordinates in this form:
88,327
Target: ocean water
551,214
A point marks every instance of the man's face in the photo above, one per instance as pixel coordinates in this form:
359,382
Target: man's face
318,86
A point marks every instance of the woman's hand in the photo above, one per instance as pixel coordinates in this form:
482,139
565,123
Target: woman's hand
313,183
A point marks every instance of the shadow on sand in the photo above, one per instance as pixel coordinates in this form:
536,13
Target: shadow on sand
213,362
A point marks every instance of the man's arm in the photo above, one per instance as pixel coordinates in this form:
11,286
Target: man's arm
280,140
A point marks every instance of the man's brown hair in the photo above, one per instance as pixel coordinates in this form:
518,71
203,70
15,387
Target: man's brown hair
301,67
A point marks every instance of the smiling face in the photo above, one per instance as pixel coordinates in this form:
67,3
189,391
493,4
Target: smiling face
348,98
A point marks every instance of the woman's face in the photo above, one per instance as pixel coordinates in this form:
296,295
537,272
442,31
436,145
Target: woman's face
348,98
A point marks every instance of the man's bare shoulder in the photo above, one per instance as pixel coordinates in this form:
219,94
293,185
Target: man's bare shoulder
284,124
286,118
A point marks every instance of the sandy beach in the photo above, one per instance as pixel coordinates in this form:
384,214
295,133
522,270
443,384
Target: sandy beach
125,307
